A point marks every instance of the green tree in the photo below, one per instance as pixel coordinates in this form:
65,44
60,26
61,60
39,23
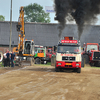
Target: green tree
35,13
2,18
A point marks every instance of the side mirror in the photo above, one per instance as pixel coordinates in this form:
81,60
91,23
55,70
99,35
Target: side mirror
55,48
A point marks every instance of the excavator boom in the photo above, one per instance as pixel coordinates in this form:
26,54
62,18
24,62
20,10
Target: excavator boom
20,29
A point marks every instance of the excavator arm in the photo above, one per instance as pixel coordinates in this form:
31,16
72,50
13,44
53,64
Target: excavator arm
20,29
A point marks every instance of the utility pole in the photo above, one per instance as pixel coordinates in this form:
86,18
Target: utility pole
10,26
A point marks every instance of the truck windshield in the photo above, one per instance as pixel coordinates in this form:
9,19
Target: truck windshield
69,49
92,47
39,50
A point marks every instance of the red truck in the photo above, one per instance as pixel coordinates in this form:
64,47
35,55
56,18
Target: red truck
49,53
68,55
91,54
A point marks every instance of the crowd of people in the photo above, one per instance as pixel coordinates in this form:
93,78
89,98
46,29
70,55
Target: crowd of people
9,59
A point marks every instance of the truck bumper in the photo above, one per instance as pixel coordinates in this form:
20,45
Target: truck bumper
63,64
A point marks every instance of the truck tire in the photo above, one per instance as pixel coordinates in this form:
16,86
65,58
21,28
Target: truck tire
57,69
37,61
93,64
86,59
98,64
82,62
79,70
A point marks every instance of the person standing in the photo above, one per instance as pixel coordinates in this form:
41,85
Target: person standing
12,59
5,59
8,58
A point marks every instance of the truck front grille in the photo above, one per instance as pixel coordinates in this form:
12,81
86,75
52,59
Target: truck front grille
96,56
68,58
68,65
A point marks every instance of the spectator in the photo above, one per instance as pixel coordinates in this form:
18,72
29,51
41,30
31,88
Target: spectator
8,58
5,59
12,59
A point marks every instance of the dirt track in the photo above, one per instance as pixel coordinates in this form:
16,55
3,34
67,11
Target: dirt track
43,83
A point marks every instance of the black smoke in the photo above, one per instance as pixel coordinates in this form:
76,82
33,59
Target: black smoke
82,11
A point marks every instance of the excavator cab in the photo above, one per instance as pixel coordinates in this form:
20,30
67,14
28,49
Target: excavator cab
29,47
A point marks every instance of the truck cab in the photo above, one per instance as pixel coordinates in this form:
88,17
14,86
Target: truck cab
29,47
68,55
40,54
49,53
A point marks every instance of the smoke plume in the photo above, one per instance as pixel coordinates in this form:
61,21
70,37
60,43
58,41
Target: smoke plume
82,11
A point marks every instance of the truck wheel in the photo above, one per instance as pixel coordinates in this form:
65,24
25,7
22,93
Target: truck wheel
57,69
92,64
86,59
79,70
82,62
98,64
37,61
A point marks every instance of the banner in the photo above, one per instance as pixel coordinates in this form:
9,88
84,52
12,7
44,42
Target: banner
49,9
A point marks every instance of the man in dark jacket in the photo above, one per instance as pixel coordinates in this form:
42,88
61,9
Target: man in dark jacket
12,59
8,58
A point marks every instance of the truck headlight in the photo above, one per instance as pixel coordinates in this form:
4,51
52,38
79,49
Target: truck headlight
17,57
59,63
77,64
24,58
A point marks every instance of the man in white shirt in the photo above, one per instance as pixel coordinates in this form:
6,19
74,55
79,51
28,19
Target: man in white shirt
5,59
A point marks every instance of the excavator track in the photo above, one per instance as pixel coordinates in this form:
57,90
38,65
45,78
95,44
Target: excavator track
24,61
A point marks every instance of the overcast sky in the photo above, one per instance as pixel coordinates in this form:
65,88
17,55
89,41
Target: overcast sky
16,4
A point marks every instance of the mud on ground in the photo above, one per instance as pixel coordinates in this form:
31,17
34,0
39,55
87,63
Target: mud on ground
43,83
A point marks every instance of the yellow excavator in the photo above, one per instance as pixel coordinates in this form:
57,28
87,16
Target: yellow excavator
25,49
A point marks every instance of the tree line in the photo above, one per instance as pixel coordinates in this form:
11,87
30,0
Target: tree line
33,13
